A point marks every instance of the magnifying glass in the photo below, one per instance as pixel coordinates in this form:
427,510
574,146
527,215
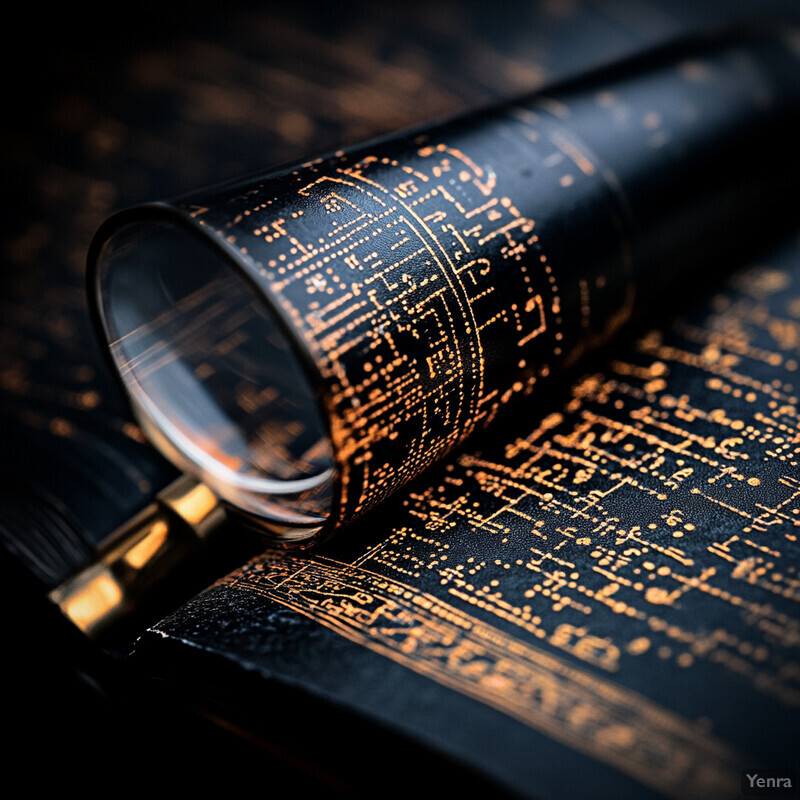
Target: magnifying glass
214,377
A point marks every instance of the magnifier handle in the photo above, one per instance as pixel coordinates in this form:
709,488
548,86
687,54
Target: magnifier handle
126,579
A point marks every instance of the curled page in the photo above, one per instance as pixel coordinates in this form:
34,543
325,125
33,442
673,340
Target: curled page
307,341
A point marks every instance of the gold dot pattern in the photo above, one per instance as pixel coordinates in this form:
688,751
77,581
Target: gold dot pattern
424,294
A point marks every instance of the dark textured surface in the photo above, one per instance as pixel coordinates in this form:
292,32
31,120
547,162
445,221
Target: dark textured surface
106,114
631,625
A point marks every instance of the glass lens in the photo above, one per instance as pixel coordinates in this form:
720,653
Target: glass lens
212,377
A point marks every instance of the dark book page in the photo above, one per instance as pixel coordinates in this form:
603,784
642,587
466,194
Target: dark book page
600,599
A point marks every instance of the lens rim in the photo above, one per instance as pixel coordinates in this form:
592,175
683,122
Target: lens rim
285,528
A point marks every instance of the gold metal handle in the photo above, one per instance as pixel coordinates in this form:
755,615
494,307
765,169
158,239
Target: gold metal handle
145,551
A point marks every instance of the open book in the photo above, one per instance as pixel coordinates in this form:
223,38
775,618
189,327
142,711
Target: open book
593,595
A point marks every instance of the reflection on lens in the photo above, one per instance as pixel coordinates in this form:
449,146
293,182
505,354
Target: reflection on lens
212,378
